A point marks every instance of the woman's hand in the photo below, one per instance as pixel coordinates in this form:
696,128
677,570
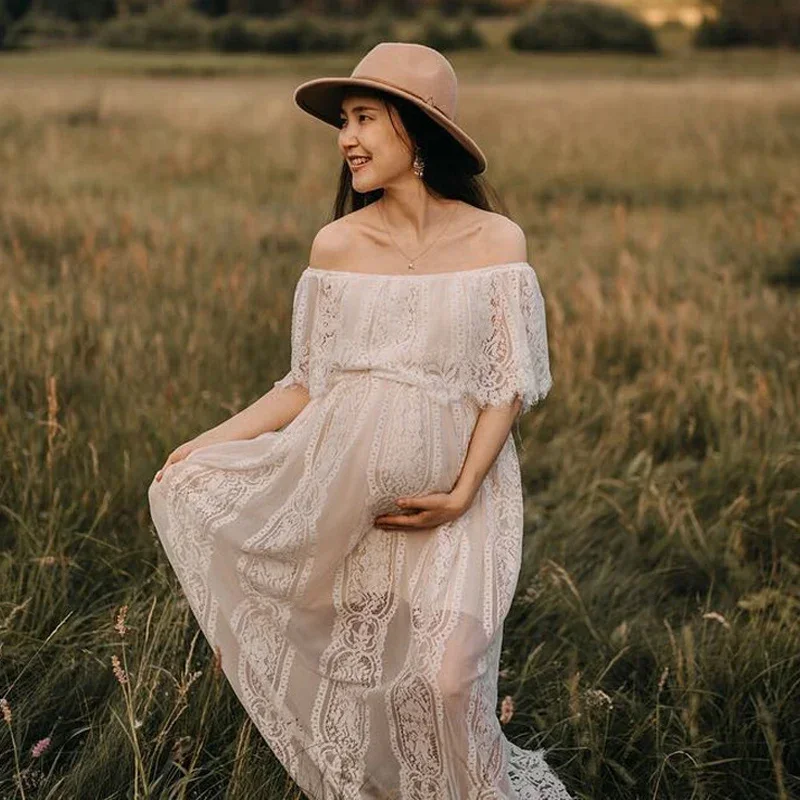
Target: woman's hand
178,454
425,511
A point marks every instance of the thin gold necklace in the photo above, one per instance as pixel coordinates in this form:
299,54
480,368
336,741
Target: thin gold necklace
411,261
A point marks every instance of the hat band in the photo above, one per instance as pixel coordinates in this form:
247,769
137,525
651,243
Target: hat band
427,100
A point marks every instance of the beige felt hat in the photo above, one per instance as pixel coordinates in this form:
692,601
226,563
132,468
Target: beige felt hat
413,71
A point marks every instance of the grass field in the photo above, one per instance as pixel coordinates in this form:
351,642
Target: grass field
152,224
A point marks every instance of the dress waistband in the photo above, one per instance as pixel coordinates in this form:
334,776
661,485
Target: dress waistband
438,391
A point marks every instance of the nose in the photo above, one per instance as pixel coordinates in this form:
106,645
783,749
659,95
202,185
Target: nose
347,140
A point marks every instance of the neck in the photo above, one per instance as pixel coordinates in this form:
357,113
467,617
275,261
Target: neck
411,213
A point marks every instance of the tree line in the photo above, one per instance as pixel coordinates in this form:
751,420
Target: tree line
81,10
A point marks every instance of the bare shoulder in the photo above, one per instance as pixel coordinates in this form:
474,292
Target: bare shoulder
329,244
504,240
338,243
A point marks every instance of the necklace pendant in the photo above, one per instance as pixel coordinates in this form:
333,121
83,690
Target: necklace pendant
411,265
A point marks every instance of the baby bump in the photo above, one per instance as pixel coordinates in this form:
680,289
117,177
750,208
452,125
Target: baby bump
418,445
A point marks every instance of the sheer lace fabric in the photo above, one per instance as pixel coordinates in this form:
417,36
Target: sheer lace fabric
478,333
368,658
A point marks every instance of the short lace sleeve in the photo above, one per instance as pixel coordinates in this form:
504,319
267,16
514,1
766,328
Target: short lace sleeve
511,354
302,313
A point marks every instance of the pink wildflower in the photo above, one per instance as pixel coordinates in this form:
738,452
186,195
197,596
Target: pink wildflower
119,672
506,709
119,625
40,747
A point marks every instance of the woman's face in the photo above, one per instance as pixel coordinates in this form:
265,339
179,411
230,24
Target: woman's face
366,130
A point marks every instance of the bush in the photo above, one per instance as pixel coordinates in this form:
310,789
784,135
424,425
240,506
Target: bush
299,33
167,28
579,25
5,21
440,34
36,30
234,33
293,33
377,27
482,8
768,23
721,33
489,8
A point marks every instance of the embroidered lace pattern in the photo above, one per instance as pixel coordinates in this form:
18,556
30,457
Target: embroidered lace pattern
368,658
477,333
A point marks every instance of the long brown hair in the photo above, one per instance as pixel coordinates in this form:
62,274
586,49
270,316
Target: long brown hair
447,171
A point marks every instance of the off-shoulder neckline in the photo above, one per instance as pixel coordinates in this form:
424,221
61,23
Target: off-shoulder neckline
411,276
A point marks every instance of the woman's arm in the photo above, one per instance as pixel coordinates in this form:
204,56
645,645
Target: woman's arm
491,430
278,407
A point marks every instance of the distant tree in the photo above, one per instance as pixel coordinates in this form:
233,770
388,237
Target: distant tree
580,26
5,22
450,8
75,10
17,8
766,22
266,8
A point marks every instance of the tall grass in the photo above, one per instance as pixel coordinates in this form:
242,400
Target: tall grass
150,236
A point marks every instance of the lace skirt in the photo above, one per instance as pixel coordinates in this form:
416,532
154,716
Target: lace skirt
366,658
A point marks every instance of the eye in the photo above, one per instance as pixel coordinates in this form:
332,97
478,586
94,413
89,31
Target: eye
342,122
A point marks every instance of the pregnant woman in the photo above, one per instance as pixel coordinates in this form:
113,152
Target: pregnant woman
351,542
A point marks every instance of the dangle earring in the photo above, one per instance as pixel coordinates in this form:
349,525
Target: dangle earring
419,162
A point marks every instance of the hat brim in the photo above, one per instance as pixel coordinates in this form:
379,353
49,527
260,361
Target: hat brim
321,97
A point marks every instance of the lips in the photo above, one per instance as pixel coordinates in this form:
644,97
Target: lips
357,166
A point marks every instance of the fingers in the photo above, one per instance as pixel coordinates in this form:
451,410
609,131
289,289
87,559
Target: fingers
403,521
412,502
423,518
170,460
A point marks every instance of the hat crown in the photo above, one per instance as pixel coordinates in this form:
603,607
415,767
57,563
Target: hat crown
414,68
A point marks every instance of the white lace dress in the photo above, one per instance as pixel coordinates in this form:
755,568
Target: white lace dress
367,658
